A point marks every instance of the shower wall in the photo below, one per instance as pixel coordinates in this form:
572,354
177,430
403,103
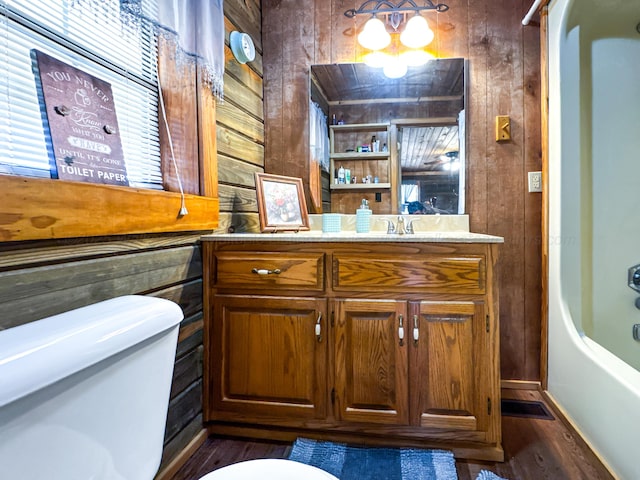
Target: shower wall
609,72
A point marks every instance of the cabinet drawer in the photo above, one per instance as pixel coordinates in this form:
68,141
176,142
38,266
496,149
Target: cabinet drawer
429,273
269,270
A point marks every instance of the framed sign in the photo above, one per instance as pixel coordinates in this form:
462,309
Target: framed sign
79,117
281,203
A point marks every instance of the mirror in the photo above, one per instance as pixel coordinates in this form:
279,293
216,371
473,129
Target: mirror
425,114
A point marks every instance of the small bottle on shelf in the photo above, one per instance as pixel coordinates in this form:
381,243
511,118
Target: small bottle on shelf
341,174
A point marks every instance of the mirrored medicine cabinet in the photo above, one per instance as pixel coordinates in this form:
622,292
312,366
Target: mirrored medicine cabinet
402,140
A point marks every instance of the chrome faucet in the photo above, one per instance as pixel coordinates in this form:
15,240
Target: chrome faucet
401,228
391,228
409,227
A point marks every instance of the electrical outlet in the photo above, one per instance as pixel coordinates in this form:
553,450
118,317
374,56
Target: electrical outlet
535,182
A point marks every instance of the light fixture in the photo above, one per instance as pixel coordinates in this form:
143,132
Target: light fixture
403,18
399,27
376,59
395,68
374,35
451,161
415,58
417,33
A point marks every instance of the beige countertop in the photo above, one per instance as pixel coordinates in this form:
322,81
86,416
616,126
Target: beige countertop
428,228
316,236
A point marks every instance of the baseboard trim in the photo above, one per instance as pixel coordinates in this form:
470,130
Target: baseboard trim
520,385
168,472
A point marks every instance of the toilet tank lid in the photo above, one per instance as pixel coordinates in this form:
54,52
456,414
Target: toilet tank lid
40,353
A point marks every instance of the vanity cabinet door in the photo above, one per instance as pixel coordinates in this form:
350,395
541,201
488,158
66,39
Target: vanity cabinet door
450,367
269,357
370,361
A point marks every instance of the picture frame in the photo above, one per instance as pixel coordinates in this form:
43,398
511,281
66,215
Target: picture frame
281,203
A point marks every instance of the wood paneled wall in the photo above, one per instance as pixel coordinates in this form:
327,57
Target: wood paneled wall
43,278
240,124
504,79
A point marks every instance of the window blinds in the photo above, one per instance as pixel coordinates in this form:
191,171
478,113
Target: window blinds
96,42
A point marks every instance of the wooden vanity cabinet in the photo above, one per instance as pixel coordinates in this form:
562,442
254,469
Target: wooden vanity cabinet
451,384
270,359
383,343
370,364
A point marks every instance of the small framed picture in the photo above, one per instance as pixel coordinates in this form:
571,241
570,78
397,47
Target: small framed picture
281,203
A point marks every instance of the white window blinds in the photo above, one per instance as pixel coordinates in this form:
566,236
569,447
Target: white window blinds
97,42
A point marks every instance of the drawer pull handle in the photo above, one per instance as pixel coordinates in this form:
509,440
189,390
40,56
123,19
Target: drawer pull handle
416,330
264,271
401,331
319,328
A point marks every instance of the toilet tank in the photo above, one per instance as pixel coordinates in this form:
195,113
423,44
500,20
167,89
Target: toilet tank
84,394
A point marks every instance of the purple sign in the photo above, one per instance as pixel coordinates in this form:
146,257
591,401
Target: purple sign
81,120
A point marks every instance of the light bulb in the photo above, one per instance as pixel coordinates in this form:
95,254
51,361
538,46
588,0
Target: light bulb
395,68
376,59
416,58
451,166
374,35
417,33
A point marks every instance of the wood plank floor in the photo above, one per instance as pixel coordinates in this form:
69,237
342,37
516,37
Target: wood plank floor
535,449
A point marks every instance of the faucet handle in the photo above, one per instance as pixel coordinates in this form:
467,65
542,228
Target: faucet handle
409,226
391,228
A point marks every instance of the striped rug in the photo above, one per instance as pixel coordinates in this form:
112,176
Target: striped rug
363,463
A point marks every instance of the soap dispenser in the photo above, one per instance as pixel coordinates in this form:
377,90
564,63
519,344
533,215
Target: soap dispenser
363,217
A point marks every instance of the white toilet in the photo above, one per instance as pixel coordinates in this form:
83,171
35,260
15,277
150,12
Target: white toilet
269,469
84,395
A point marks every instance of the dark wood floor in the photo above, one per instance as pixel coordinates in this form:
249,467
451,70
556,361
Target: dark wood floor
535,449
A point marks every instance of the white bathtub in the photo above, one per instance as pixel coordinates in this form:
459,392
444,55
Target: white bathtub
594,223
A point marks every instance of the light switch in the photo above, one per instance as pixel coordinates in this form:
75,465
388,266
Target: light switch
503,128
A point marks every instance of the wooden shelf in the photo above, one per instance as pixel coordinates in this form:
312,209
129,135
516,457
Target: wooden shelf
364,127
359,186
349,135
360,156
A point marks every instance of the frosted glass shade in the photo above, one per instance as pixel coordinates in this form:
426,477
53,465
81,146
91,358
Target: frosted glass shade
416,58
374,35
377,59
417,33
395,68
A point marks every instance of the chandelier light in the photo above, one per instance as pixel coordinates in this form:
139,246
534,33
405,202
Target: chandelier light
402,19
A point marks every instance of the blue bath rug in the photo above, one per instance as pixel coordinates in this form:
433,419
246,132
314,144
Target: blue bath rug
362,463
487,475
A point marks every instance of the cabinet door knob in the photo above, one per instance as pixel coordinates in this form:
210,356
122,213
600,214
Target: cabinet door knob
401,330
416,330
319,328
264,271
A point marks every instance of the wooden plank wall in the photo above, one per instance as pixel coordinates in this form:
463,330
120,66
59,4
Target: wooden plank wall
504,79
240,124
42,278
